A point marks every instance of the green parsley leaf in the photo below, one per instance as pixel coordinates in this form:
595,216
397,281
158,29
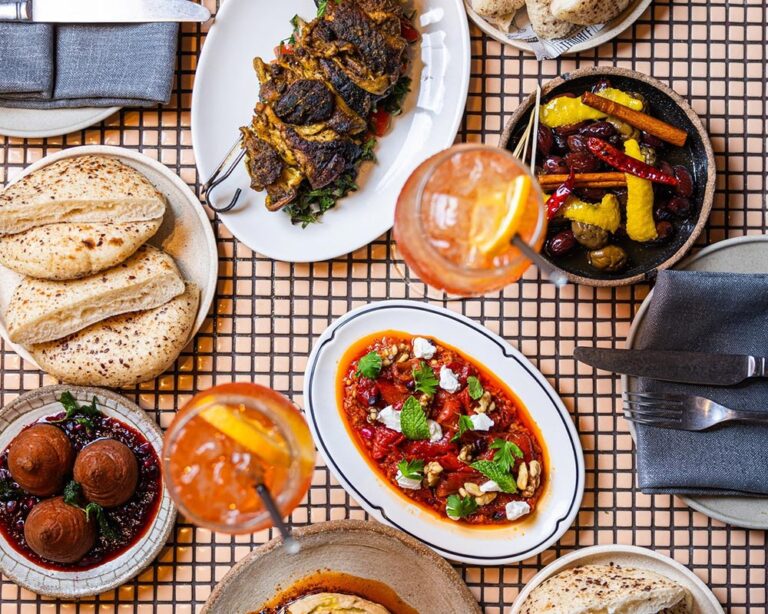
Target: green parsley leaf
425,379
413,470
369,366
458,507
413,420
475,388
368,154
506,453
465,424
494,471
72,493
106,528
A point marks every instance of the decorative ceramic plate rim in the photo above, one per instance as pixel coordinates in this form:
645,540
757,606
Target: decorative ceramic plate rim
705,601
343,526
207,293
131,564
433,112
693,117
98,114
386,503
609,32
697,503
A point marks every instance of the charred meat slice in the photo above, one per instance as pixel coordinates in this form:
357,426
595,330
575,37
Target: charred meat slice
322,161
357,98
264,163
305,102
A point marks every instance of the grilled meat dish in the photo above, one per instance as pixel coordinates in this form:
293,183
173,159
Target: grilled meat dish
311,123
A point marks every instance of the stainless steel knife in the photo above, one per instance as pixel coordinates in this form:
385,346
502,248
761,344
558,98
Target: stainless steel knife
683,367
102,11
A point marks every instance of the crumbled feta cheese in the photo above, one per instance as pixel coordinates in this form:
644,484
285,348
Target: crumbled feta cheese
435,431
390,418
481,422
517,509
448,380
407,483
422,348
490,486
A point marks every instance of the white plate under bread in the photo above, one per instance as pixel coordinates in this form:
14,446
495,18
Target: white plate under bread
185,233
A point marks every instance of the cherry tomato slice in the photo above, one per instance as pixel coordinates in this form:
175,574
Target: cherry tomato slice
380,122
409,33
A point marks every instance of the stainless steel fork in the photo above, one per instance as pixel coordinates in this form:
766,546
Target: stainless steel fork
682,412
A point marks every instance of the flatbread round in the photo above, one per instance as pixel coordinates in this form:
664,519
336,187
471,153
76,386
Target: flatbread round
334,603
80,189
544,23
125,350
608,588
41,310
71,251
588,12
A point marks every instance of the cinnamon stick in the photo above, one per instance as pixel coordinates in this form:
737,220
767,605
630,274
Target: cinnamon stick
641,121
585,180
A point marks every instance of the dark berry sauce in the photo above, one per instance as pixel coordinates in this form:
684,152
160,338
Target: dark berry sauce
130,520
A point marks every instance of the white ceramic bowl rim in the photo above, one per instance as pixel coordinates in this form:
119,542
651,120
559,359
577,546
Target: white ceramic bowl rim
569,428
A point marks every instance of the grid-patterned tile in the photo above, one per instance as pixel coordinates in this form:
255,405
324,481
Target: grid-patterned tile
267,314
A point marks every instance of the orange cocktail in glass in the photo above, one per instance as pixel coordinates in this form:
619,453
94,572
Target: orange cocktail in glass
459,213
226,444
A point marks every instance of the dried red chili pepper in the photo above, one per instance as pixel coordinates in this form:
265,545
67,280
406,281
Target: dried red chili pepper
557,200
621,161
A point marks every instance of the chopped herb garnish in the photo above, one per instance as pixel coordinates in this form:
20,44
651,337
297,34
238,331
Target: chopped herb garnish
413,420
72,493
8,492
310,204
425,379
369,366
392,103
368,155
81,414
459,507
475,388
494,471
106,528
413,470
506,453
465,424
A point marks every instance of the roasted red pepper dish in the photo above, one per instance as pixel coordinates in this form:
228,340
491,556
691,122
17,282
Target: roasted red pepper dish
441,429
613,177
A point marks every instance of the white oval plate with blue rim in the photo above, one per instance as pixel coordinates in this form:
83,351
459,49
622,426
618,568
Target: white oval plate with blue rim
486,546
32,407
226,90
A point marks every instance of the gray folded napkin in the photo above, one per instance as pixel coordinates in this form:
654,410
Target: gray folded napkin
712,312
44,66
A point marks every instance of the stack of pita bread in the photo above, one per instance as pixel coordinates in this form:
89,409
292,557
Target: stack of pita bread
96,305
608,589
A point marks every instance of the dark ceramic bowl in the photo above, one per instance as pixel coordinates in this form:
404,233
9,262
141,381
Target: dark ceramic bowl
646,260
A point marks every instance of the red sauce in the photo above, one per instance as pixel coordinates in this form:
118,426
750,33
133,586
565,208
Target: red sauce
338,582
130,520
361,398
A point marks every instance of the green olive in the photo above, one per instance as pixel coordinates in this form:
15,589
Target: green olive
610,258
590,236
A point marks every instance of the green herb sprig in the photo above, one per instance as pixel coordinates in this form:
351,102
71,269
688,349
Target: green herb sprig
494,471
413,420
425,379
81,414
474,387
413,470
460,507
72,496
465,424
506,453
369,366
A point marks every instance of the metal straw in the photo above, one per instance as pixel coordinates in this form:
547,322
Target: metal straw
289,542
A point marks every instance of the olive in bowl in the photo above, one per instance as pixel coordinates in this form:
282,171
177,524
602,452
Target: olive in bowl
624,202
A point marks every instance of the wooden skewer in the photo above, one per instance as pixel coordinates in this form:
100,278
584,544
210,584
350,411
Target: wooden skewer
585,180
641,121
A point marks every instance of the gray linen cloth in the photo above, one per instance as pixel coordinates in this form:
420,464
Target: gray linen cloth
44,66
708,312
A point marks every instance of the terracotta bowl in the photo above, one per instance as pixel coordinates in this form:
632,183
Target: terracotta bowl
367,550
645,260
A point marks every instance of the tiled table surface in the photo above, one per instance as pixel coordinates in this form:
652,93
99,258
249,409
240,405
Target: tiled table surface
713,52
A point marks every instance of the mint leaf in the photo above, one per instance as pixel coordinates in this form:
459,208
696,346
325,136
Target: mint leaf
72,493
475,388
106,528
413,420
369,366
465,424
458,507
413,470
506,453
72,409
425,379
494,471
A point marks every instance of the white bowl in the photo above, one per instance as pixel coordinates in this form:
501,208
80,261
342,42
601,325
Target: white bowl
483,546
31,407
